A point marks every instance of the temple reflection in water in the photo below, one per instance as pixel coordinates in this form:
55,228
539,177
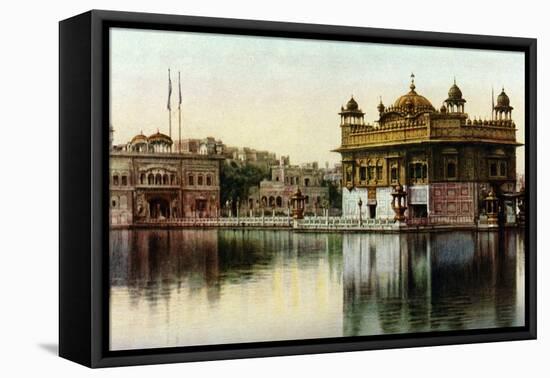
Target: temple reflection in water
429,282
196,287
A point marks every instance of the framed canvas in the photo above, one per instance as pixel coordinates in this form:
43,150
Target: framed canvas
234,188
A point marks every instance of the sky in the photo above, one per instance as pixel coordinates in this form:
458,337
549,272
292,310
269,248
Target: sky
283,95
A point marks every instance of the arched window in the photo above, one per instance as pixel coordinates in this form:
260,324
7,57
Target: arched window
150,179
200,180
114,202
172,179
115,180
191,180
503,171
271,201
124,180
142,178
418,170
158,179
264,201
493,169
394,174
165,179
279,201
123,202
208,180
306,181
370,171
451,170
379,170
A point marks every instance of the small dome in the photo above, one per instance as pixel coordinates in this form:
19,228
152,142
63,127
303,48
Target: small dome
160,138
140,138
381,107
455,93
352,104
503,100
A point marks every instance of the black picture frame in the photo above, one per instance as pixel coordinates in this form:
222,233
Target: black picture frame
83,196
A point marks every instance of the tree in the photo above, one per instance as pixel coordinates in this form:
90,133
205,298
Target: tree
236,179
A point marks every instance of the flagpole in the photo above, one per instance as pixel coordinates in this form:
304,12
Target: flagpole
168,106
179,113
493,103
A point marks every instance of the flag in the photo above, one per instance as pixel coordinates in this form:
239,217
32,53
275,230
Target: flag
168,106
179,90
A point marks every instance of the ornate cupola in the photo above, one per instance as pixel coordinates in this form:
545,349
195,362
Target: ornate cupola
455,102
503,110
160,142
381,108
139,143
351,115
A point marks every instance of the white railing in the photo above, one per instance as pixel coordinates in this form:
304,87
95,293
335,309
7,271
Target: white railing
308,223
344,223
222,222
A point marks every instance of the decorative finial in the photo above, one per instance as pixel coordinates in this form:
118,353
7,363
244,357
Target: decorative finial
454,80
412,82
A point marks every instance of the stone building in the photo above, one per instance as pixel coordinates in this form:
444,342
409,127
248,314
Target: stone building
274,194
149,181
446,161
205,146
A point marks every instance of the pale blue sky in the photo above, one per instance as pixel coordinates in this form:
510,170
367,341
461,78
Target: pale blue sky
283,95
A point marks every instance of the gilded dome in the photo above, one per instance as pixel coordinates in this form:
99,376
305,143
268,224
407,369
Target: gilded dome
159,137
413,99
140,138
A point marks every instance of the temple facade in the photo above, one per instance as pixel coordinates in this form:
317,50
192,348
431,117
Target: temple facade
445,163
149,182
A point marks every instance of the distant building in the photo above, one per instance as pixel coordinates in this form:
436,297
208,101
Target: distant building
148,181
334,174
274,194
205,146
446,161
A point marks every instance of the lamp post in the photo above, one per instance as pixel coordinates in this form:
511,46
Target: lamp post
398,202
521,206
237,209
491,208
288,211
298,204
360,204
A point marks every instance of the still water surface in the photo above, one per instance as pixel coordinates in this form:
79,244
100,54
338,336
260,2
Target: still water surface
197,287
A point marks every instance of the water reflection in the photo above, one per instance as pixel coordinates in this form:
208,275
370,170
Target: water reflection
193,287
430,282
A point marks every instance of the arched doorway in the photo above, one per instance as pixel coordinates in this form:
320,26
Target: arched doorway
159,208
201,207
